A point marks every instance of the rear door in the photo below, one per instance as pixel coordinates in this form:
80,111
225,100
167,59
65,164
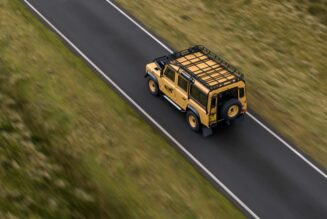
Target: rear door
225,96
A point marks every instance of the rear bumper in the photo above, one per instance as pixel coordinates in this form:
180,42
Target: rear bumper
215,123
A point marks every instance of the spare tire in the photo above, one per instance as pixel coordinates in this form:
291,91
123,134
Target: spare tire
231,109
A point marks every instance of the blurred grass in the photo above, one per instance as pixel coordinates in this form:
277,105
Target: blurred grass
71,148
280,45
317,8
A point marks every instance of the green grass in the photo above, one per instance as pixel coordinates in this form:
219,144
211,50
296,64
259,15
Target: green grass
280,46
72,148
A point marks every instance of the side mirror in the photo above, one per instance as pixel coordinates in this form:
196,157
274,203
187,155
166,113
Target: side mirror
158,68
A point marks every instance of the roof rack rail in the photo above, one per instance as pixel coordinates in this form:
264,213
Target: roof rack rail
207,70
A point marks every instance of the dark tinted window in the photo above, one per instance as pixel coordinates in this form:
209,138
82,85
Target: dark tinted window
182,83
199,96
170,74
241,92
213,101
227,95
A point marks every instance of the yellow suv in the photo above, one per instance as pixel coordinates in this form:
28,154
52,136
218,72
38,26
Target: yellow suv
200,83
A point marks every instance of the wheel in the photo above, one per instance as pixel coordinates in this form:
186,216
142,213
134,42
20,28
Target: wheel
153,87
193,121
231,109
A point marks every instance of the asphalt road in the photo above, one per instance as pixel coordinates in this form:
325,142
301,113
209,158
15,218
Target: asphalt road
266,175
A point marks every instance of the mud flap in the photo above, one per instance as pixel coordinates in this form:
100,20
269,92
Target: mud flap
206,132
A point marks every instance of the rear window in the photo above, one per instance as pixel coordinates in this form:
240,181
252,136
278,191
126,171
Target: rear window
199,96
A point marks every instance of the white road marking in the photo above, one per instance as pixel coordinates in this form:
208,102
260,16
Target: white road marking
251,116
213,177
287,145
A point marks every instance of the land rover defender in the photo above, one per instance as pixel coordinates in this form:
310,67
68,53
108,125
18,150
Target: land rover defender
200,83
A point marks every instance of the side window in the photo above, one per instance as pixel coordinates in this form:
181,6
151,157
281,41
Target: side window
182,83
199,96
169,73
241,92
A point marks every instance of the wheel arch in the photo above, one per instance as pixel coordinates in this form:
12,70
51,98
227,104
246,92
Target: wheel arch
191,108
150,75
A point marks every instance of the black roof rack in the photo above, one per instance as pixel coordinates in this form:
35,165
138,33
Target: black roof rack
220,66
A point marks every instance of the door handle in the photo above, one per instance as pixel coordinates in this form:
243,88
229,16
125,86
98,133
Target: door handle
183,98
170,89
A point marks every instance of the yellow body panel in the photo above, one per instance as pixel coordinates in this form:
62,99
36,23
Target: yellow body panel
181,97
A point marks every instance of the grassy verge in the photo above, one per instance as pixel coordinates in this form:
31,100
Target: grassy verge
280,45
71,148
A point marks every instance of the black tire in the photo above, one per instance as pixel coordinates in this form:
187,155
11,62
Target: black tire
231,109
193,121
153,87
